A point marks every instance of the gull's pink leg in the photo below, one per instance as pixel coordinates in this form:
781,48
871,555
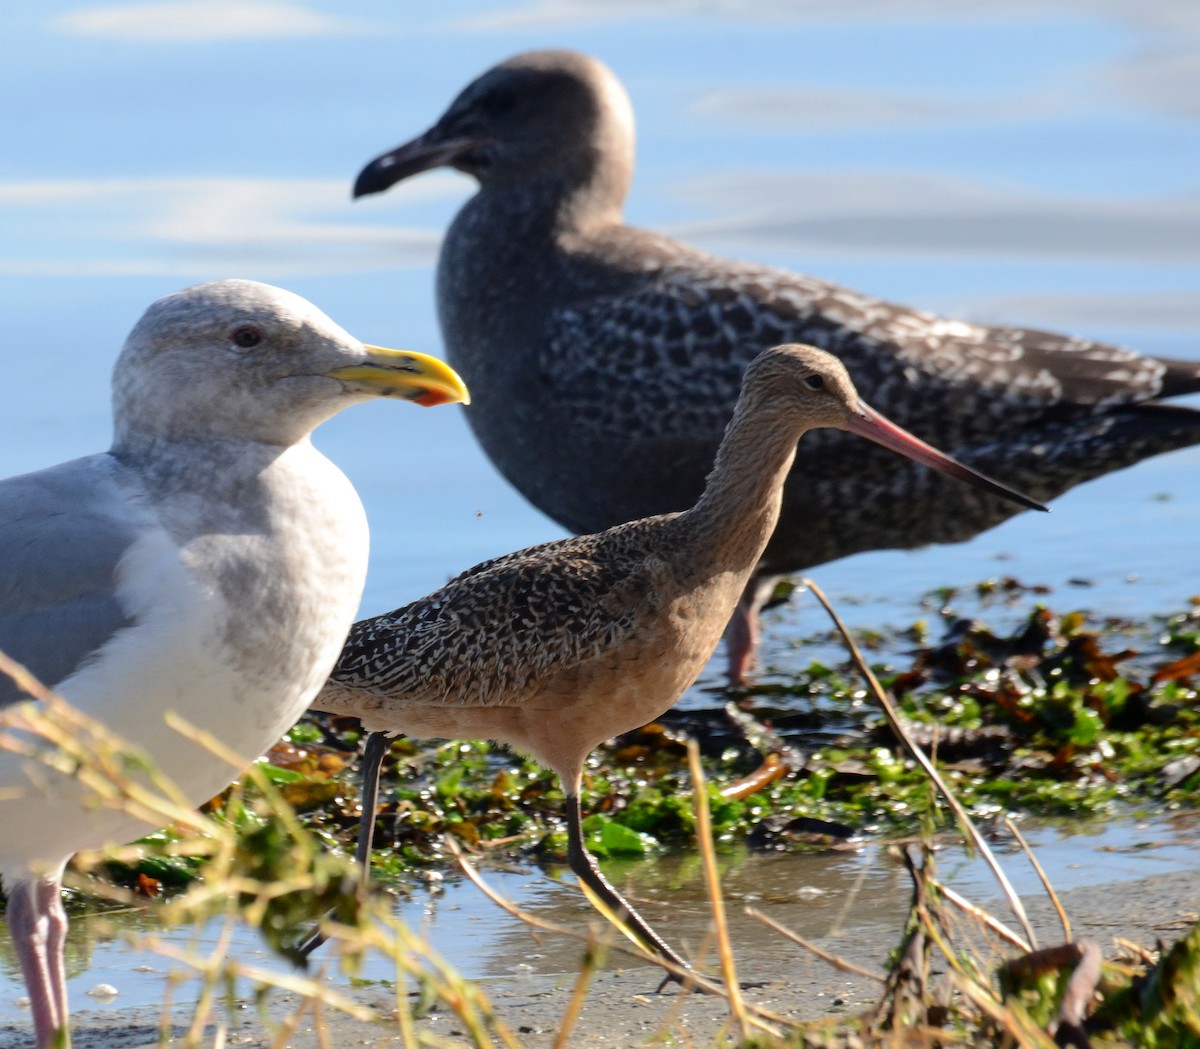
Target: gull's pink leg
51,900
38,925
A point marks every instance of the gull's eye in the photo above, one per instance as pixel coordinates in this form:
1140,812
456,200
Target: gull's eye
246,337
814,382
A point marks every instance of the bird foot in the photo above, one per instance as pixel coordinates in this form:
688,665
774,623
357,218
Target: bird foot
700,984
697,986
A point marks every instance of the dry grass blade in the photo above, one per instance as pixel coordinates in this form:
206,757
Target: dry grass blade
322,1028
210,970
760,1017
712,882
927,766
303,986
632,950
1054,900
391,936
1016,1025
591,962
825,956
613,919
23,679
288,1026
64,740
983,917
1143,955
404,1018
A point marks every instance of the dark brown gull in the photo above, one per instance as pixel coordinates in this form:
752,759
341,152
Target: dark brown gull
606,359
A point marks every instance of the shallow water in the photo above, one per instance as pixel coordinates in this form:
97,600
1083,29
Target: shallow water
1024,163
821,897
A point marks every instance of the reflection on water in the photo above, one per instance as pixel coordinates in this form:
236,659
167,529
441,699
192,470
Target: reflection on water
864,893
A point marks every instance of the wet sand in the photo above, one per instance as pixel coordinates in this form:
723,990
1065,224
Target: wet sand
622,1009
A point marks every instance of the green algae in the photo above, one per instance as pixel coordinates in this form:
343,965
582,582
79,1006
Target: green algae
1056,716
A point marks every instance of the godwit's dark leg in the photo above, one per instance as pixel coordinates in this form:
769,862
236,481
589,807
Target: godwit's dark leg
372,763
373,754
583,863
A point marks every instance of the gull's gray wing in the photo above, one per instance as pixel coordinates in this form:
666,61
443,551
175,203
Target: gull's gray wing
62,533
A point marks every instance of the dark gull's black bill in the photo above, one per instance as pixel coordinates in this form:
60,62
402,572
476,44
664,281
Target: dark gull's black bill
428,151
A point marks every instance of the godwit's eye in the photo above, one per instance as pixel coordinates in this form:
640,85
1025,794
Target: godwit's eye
246,337
815,382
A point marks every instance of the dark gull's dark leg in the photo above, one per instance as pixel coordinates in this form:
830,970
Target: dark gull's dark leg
741,640
372,763
744,628
583,863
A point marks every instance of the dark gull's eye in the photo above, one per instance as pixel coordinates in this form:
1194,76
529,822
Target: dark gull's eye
498,101
814,382
246,337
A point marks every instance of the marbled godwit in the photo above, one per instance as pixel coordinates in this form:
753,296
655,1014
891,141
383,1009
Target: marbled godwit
210,564
638,343
554,649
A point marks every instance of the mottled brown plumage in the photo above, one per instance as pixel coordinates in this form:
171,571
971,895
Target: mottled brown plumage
556,648
607,359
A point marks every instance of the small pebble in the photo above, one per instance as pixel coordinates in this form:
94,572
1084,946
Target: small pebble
102,990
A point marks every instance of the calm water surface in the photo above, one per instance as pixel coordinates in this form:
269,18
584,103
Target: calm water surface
821,897
1027,163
